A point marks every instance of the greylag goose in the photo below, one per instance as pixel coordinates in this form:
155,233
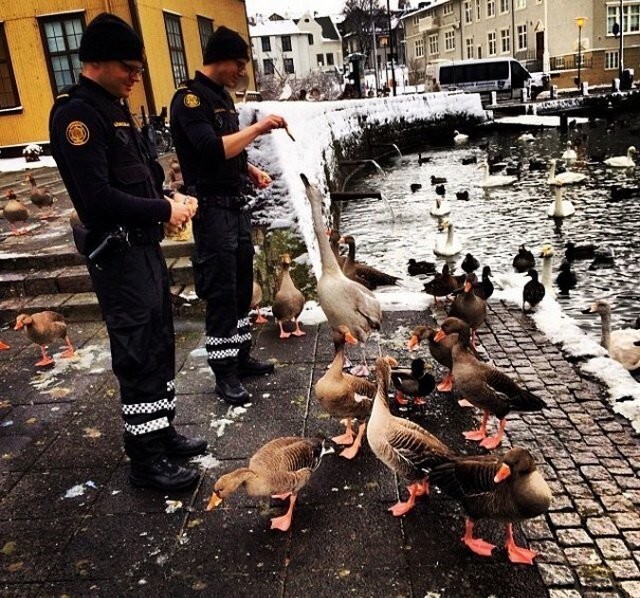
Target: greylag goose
280,469
344,395
343,301
620,343
485,386
507,489
534,291
368,276
469,308
288,302
15,212
402,445
41,198
256,300
413,382
43,328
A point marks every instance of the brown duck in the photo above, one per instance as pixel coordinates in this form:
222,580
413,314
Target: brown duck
15,211
534,291
402,445
345,396
280,469
334,243
441,284
469,308
288,302
42,198
440,351
507,489
43,328
485,386
368,276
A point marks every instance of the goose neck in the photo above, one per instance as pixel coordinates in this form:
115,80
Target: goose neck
329,261
605,322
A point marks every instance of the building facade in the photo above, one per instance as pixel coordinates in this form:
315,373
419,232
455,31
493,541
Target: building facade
553,36
39,42
296,47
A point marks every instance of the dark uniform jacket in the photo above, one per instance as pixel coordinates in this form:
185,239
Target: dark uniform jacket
105,164
202,113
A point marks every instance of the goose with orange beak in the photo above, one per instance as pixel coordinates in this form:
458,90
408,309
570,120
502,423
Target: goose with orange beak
509,489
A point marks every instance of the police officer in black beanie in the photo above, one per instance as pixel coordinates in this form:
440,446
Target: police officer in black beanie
211,150
116,188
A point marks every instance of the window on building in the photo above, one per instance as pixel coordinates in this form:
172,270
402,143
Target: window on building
559,62
286,44
522,37
265,40
468,12
491,8
520,4
611,60
320,59
176,48
310,37
61,39
329,58
505,41
469,45
504,6
205,30
288,66
449,40
447,9
631,13
419,48
267,66
434,48
8,90
491,43
478,10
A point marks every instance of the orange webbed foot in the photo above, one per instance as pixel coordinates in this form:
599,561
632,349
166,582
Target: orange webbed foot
67,353
464,403
475,435
446,385
281,496
44,361
491,442
343,438
285,334
260,319
299,333
479,546
519,554
282,523
4,346
400,508
400,398
351,452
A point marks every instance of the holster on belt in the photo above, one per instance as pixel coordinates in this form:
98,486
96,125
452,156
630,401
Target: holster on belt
81,238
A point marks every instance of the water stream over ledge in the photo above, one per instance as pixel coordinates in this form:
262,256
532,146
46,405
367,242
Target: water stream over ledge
492,224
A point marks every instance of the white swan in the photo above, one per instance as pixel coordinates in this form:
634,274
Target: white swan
569,154
460,138
623,161
526,138
564,178
560,208
343,301
547,253
440,207
448,245
495,180
619,343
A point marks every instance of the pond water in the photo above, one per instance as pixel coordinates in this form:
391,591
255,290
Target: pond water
492,224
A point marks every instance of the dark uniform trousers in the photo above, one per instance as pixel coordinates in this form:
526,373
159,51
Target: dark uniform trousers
223,275
132,285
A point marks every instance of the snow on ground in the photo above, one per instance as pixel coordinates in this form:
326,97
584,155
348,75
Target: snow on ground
18,164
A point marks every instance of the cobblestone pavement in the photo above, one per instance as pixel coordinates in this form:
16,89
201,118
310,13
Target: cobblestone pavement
70,524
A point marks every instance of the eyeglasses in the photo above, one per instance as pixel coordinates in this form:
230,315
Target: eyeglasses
242,65
134,71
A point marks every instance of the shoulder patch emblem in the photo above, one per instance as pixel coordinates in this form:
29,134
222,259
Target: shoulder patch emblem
191,100
77,133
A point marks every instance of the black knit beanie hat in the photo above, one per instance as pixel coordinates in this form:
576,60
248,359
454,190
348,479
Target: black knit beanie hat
225,44
108,37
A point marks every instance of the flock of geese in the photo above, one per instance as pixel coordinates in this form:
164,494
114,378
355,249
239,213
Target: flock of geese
16,212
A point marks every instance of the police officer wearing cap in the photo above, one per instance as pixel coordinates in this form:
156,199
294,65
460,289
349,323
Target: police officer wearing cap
116,187
211,150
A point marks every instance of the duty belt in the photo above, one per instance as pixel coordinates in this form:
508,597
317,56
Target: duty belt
226,202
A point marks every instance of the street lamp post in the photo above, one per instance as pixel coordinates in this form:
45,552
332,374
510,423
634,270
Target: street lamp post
393,68
621,52
580,22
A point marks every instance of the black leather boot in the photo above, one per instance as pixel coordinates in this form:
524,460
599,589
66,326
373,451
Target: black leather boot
253,367
230,389
162,474
178,445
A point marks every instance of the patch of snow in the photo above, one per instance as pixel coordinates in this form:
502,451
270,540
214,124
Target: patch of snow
18,164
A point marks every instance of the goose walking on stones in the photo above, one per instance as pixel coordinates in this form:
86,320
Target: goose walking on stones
288,302
44,328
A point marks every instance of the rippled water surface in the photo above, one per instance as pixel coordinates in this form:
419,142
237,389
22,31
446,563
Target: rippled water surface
492,224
